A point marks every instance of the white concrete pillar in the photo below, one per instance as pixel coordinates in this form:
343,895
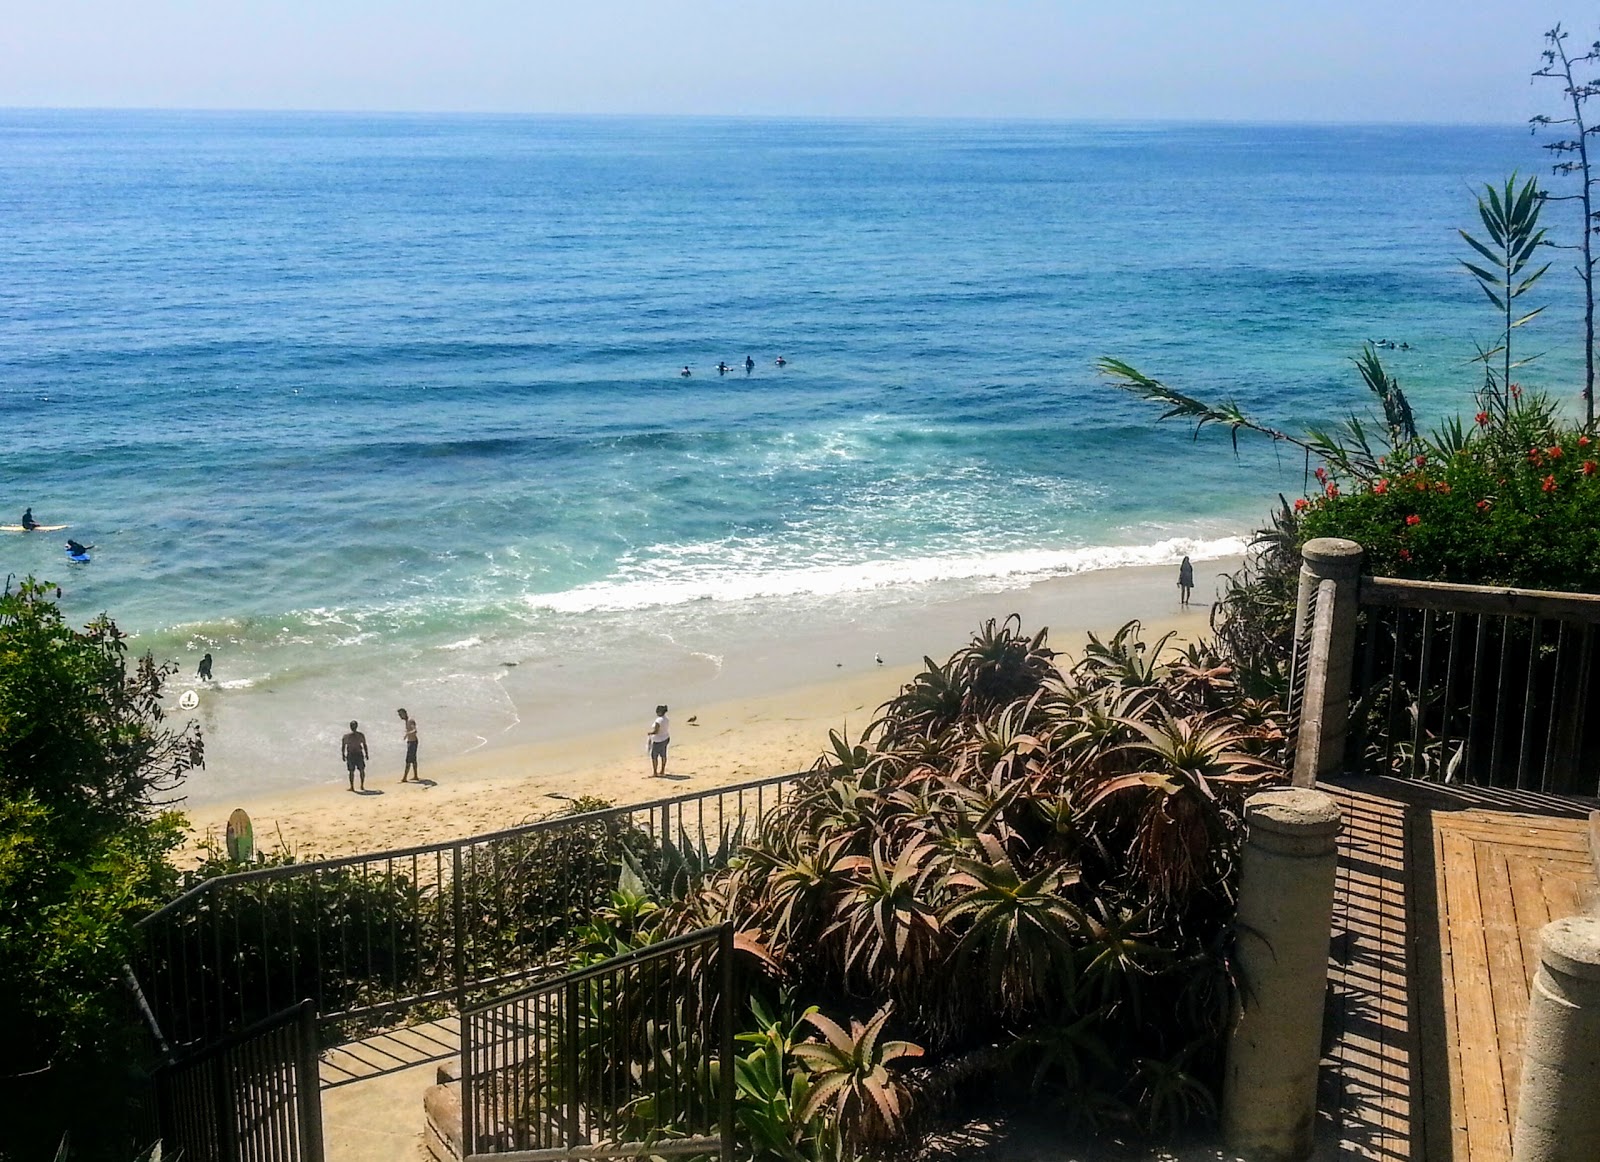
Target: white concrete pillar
1324,710
1269,1096
1558,1107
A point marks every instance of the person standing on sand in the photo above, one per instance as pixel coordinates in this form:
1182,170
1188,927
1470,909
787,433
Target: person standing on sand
1185,582
411,747
203,671
659,734
354,749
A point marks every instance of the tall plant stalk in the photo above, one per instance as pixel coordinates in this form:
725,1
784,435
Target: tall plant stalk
1559,66
1511,221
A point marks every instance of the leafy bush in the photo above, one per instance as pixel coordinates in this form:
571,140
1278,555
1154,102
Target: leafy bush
1510,500
86,770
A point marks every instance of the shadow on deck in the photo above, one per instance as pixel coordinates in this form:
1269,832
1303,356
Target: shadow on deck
1440,896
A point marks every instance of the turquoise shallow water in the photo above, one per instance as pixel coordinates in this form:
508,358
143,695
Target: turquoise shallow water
348,398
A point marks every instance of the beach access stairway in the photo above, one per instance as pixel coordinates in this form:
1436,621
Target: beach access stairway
357,945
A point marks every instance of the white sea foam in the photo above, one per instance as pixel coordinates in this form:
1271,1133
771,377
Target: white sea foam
1002,570
465,643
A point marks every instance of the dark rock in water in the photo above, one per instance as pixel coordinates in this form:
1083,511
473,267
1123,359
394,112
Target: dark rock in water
508,663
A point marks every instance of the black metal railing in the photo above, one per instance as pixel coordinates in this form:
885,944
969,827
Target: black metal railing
368,936
1466,684
631,1057
253,1097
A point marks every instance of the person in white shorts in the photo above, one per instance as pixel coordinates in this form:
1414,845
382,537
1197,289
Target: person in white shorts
659,734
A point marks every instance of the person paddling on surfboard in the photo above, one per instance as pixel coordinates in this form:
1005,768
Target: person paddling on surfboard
28,523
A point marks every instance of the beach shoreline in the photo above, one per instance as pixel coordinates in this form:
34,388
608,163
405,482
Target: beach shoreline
764,710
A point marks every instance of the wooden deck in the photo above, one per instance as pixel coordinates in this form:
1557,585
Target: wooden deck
1440,897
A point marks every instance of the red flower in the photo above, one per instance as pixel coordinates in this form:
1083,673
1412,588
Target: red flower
1405,554
1584,441
1421,486
1549,484
1554,453
1536,457
1332,490
1302,504
1483,419
1516,391
1321,474
1381,487
1588,467
1422,461
1483,506
1442,487
1413,519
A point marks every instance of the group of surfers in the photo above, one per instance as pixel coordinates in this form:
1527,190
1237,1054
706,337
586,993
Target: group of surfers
724,368
74,548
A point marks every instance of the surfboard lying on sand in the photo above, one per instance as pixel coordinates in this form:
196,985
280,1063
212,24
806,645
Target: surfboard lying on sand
34,529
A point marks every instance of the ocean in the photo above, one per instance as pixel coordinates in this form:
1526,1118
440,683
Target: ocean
388,410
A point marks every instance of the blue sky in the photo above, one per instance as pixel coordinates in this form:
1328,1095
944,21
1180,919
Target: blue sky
1252,60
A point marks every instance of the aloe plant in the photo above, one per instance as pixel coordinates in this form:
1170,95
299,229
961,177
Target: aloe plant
850,1076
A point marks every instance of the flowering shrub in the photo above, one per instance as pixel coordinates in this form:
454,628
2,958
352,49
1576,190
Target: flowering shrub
1513,500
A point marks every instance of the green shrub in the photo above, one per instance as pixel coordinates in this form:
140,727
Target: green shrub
86,770
1513,501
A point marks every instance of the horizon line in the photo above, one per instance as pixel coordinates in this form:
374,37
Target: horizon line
998,118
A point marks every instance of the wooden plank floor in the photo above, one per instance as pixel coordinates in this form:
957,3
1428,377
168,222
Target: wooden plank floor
1365,1097
1499,879
1439,901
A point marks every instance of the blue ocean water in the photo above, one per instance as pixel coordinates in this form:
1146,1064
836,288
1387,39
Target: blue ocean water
400,394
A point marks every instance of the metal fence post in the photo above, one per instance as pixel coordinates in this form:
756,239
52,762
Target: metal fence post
726,1072
469,1120
458,935
308,1085
1330,576
570,1001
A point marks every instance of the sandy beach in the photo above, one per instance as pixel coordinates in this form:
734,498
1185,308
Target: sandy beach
767,712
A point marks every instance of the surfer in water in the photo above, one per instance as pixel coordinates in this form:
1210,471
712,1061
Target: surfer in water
749,365
780,361
76,550
28,523
685,373
723,368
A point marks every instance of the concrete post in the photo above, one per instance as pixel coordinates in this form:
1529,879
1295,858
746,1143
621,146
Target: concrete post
1330,655
1558,1107
1269,1095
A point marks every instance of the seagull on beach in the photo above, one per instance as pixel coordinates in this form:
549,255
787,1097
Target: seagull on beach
878,658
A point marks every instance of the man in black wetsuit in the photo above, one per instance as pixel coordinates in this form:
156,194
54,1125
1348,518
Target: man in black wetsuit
28,523
749,365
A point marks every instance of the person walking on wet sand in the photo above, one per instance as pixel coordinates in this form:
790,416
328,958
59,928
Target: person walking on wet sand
1185,582
354,749
203,671
659,734
411,747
